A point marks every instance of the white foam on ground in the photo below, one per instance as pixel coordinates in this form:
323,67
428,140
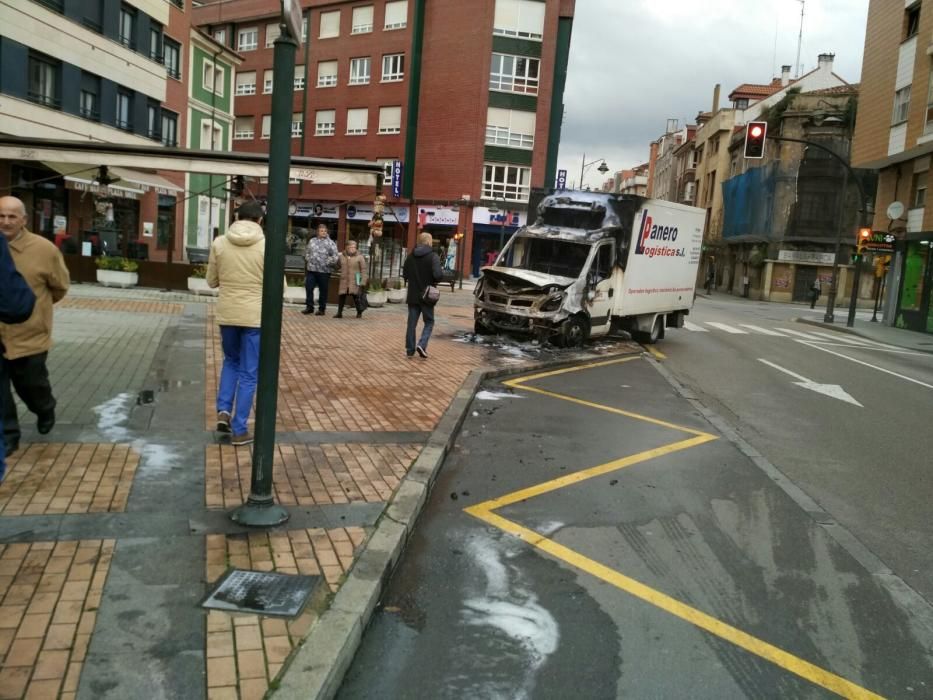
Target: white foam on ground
112,416
506,605
496,395
155,458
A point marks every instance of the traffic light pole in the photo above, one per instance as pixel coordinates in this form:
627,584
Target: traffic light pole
863,210
260,510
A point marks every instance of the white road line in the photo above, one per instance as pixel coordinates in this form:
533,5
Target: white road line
853,340
849,346
726,327
799,377
867,364
800,334
763,331
694,327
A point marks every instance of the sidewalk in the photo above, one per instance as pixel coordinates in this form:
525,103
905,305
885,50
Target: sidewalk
114,526
877,331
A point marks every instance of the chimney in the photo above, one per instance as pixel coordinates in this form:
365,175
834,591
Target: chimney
716,98
825,61
785,75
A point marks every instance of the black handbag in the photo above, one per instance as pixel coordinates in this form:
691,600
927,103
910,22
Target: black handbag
362,303
431,293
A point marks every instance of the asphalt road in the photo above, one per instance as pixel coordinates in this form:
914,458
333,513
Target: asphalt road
601,539
870,467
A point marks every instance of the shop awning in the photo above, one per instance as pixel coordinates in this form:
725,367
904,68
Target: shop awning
126,179
81,177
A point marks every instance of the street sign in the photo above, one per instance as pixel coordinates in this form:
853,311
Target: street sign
396,178
879,242
291,17
561,179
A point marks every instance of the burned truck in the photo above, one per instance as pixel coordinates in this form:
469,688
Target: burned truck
592,262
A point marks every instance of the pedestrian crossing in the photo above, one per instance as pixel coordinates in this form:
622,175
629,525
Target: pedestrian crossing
779,332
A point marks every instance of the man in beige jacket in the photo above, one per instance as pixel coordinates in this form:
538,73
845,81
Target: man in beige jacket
26,346
235,265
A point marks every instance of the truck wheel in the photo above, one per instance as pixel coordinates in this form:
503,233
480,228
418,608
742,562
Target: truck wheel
656,332
573,333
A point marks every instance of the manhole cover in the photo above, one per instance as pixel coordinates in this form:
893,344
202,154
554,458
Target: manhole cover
261,592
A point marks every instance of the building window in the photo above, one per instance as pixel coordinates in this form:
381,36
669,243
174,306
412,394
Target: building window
273,31
360,70
244,128
299,77
44,80
304,28
514,74
127,27
918,190
155,43
357,121
928,126
298,125
172,52
266,126
506,127
89,99
247,39
390,120
509,182
393,67
741,103
911,21
211,136
396,14
330,25
153,121
362,22
520,18
93,17
56,5
213,78
901,106
325,122
267,81
327,73
124,116
220,36
246,83
169,128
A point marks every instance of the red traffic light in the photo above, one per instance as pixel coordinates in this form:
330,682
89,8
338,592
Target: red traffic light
755,135
864,233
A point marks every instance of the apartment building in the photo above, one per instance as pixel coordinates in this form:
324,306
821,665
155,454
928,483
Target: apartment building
894,134
662,166
461,101
106,71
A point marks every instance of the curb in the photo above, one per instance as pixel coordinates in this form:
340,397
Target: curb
852,331
317,667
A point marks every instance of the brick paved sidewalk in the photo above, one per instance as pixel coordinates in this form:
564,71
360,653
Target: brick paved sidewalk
114,526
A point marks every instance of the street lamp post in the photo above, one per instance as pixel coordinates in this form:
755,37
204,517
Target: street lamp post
603,168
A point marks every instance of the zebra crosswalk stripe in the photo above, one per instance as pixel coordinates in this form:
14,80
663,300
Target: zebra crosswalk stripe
763,331
727,328
801,334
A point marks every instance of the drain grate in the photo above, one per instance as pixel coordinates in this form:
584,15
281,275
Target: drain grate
262,593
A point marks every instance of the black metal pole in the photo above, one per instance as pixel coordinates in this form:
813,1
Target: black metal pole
830,316
878,291
260,509
460,254
853,299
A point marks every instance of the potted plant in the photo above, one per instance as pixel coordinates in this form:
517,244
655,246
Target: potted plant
117,272
197,282
294,289
376,293
396,293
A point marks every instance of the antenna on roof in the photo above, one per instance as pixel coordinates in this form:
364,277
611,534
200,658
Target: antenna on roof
803,4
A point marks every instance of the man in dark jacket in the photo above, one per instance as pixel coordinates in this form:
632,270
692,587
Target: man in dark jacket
16,303
422,269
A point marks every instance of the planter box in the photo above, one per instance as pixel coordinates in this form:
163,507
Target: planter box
117,278
198,285
396,296
294,295
376,299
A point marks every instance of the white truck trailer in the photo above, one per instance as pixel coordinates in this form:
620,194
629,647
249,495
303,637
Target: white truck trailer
593,262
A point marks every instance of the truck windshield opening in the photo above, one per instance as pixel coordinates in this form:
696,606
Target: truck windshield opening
552,257
565,217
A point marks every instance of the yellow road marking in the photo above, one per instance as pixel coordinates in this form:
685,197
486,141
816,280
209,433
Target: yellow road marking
657,353
756,646
484,511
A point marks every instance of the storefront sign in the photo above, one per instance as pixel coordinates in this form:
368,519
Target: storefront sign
482,215
806,256
561,179
101,191
396,178
880,242
438,216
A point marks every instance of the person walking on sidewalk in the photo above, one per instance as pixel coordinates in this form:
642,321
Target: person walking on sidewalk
422,269
17,301
235,265
353,279
814,292
27,345
320,258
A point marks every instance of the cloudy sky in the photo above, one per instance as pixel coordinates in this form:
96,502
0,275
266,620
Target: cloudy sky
636,63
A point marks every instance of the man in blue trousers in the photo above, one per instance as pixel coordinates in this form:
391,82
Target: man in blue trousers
16,304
